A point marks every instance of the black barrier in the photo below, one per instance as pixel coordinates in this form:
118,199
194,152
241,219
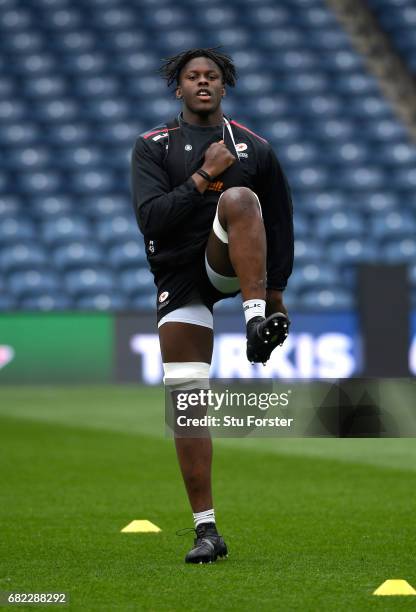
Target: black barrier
384,307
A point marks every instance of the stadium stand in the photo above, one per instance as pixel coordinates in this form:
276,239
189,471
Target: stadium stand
78,83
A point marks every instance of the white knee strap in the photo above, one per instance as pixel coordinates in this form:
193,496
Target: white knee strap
186,374
219,231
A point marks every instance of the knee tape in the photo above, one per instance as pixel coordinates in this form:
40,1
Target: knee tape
186,375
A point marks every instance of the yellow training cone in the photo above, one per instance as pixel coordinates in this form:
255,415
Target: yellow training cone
395,587
140,527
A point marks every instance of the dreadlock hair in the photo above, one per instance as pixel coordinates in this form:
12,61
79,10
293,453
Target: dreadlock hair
172,66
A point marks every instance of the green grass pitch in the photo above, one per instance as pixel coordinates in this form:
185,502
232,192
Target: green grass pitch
312,525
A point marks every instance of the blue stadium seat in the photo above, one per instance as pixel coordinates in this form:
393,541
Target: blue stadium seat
10,206
136,63
393,224
96,86
283,37
281,131
62,18
89,281
308,177
15,229
340,224
146,302
7,303
405,178
362,178
120,132
22,133
270,16
11,110
146,86
21,256
110,205
121,227
137,282
128,254
255,83
169,17
308,251
51,207
320,105
73,133
39,182
333,129
125,39
327,299
179,38
341,61
14,19
73,41
115,18
47,302
323,202
353,250
370,106
102,301
348,153
74,158
78,255
33,282
298,154
376,201
107,108
27,158
230,37
92,180
401,251
82,64
65,229
388,130
314,275
48,86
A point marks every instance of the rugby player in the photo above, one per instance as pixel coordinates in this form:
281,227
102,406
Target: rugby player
216,213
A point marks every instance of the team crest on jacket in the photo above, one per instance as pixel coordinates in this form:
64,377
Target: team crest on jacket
163,296
241,146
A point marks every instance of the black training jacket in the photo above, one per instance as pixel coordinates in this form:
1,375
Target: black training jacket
176,219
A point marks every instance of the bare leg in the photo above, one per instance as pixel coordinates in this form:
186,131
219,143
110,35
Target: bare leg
245,254
181,342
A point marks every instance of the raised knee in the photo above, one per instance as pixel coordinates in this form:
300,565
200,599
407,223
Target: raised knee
239,200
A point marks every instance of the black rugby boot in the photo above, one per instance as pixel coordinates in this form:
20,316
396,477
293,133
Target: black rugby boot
208,545
263,335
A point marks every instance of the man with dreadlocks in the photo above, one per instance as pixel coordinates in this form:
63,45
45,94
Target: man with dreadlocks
215,210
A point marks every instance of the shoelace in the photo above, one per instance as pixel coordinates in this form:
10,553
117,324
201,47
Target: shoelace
185,531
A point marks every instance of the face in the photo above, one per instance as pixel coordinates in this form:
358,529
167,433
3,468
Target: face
200,86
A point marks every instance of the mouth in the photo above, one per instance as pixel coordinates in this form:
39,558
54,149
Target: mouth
203,94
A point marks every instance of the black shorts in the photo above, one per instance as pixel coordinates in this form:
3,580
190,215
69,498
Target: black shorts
180,286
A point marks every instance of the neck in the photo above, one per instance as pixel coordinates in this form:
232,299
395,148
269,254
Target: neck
204,120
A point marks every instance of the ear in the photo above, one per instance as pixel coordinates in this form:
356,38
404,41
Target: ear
223,92
178,93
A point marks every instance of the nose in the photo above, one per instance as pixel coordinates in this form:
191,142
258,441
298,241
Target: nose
202,81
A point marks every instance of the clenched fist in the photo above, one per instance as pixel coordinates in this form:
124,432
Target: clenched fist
217,159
